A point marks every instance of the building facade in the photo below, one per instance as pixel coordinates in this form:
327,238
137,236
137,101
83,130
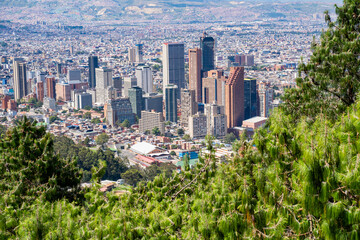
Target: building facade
136,100
207,45
250,98
144,78
117,110
195,81
103,80
216,120
93,62
153,101
189,106
150,120
174,65
83,100
20,80
234,97
171,103
129,82
197,125
213,87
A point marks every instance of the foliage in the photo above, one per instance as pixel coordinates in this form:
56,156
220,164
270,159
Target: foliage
102,138
156,131
87,115
53,118
186,137
300,182
87,107
330,81
95,120
132,176
125,124
180,131
29,167
229,138
87,158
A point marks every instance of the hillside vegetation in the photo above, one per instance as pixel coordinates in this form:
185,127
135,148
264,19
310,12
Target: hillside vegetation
302,181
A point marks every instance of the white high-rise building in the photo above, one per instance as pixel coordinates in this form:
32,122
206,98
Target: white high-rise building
103,80
144,78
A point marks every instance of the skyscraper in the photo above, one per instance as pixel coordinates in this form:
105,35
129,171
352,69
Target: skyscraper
207,45
195,82
40,91
93,63
173,66
131,55
129,82
117,110
250,98
213,87
171,103
266,95
136,100
234,97
144,78
216,120
188,106
20,84
150,120
139,53
104,80
50,87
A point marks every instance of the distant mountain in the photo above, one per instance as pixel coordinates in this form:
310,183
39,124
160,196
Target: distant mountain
74,11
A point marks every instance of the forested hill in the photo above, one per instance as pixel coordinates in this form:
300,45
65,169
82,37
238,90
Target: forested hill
302,181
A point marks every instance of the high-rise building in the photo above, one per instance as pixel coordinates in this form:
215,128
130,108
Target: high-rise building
250,98
49,103
117,83
153,102
129,82
250,60
93,63
216,120
63,92
266,97
50,87
136,100
103,80
58,69
40,93
150,120
74,75
188,106
139,53
207,45
213,87
20,84
195,81
197,125
132,55
144,78
171,103
234,97
173,65
83,100
117,110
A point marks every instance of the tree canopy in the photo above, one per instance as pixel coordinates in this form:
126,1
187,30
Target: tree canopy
330,81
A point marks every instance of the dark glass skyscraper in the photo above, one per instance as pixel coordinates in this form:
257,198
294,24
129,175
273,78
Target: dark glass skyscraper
207,45
136,99
93,63
250,98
